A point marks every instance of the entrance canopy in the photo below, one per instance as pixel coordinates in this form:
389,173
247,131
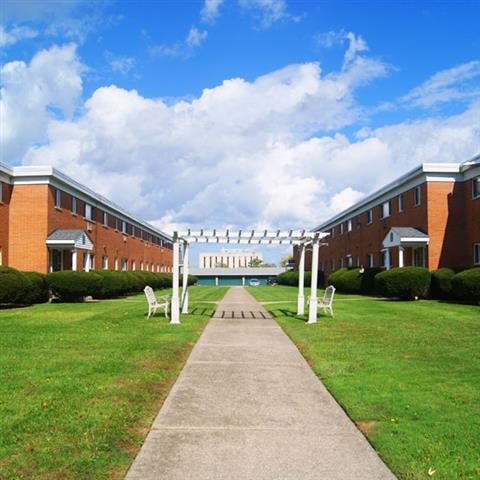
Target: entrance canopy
403,237
299,238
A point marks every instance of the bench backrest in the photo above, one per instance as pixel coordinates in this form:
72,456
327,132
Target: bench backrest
150,295
328,296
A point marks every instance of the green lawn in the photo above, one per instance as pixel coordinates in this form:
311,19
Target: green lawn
81,383
407,372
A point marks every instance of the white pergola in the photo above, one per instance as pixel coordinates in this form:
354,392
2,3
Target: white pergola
300,238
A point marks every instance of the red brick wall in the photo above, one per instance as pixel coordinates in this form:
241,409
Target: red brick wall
368,238
28,228
4,223
34,217
471,225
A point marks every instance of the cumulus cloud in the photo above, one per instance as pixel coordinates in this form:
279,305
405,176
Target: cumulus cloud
261,153
32,94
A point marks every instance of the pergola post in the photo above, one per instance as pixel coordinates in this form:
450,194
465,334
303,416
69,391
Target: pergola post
74,259
185,279
312,311
175,306
301,277
87,260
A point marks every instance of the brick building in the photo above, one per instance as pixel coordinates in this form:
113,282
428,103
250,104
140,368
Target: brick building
429,217
50,222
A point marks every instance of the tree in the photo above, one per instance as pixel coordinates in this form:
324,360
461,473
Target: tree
257,262
286,260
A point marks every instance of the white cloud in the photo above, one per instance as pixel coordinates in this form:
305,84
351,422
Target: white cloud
448,85
32,94
195,37
330,39
15,34
356,44
244,154
270,11
120,64
210,10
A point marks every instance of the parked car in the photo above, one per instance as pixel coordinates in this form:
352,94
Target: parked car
254,282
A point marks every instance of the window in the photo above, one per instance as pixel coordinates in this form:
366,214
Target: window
358,261
88,211
340,229
357,221
124,264
74,205
141,265
333,264
419,257
124,227
116,224
417,196
104,262
116,263
384,258
400,203
105,219
476,253
349,225
370,260
385,209
476,187
1,193
57,199
369,216
341,262
349,261
333,232
132,265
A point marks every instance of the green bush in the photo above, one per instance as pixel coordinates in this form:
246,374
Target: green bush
291,279
466,285
70,286
406,283
36,289
350,280
22,288
12,286
441,286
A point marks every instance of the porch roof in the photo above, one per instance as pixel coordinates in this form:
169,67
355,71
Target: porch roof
405,237
62,238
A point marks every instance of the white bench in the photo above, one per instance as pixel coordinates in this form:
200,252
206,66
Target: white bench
155,303
327,301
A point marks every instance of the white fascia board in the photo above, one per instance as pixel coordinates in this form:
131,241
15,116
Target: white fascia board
472,171
414,240
441,172
44,175
60,242
5,173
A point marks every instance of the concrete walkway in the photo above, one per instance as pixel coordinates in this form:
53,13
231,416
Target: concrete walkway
248,406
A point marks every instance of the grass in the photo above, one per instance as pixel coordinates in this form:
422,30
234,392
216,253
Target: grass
408,373
81,383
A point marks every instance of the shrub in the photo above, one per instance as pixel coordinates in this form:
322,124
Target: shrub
441,286
466,285
12,286
351,280
114,283
72,286
36,288
291,279
406,283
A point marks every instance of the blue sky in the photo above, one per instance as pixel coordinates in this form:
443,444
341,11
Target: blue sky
268,113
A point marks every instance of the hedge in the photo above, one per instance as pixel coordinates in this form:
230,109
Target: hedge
466,285
441,286
291,279
350,280
71,286
22,288
406,283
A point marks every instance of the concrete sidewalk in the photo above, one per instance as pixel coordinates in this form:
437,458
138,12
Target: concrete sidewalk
248,406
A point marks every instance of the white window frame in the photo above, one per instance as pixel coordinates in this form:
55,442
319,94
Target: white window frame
116,264
417,196
476,188
400,203
476,253
349,225
370,261
349,260
124,264
105,219
369,217
383,257
88,211
340,229
124,227
386,209
1,194
104,262
74,204
132,265
57,198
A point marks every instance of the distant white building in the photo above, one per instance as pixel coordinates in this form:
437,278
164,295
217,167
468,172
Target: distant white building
228,259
